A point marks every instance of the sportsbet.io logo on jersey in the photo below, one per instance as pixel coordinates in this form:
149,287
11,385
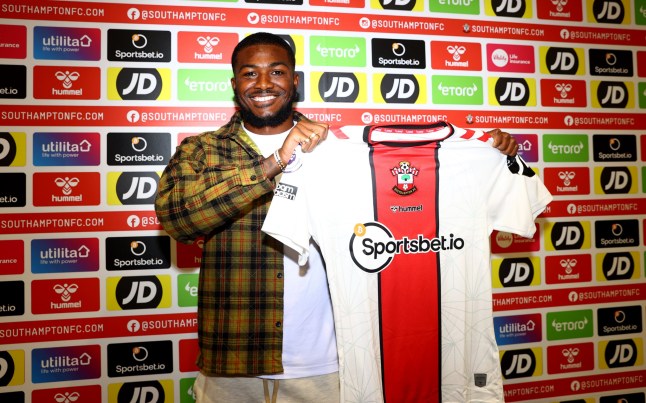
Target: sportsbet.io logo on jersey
373,246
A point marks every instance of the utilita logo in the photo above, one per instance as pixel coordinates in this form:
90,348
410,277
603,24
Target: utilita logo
66,363
67,149
64,43
518,329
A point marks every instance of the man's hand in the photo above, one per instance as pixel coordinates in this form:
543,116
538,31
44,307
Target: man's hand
306,134
504,142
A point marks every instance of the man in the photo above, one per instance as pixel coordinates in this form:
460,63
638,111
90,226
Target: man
265,326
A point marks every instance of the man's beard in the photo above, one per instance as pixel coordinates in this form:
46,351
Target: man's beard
284,114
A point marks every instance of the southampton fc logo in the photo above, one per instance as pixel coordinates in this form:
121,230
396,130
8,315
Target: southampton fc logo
405,175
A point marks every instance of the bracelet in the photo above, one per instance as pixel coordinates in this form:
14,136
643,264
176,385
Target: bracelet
280,162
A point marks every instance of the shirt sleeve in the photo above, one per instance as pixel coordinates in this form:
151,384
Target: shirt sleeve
287,219
200,192
517,197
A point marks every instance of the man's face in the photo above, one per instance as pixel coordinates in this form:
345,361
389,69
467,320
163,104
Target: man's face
264,84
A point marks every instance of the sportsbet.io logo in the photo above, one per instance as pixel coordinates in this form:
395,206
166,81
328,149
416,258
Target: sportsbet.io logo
373,246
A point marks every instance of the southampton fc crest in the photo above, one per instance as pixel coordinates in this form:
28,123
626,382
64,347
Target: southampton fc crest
405,175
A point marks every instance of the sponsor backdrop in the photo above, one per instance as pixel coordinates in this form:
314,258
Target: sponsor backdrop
98,304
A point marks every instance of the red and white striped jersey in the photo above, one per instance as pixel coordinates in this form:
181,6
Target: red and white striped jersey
403,216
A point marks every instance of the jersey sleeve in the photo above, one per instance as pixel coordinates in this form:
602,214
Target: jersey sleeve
518,196
287,217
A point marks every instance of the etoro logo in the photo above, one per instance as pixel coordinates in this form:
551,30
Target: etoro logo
455,6
565,148
204,85
569,324
373,246
337,51
457,90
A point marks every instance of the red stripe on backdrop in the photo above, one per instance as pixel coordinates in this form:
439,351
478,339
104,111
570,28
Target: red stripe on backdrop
409,287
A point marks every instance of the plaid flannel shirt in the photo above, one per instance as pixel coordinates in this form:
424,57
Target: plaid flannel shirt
214,188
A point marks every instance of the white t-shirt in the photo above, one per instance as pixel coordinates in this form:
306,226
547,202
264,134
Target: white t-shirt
403,219
309,343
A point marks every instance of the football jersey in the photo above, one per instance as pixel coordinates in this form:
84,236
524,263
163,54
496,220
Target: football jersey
403,216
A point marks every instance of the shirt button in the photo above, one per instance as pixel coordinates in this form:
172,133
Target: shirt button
279,275
278,324
252,177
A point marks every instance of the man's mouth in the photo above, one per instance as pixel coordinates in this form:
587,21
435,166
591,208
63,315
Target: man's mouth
264,98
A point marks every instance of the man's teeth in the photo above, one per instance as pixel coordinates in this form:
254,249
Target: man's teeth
262,99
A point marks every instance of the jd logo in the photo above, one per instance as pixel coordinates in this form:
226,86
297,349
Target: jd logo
567,235
141,392
516,272
608,11
562,61
139,292
612,94
338,87
397,4
620,353
399,88
137,187
7,368
139,84
616,180
518,363
512,91
7,149
618,266
509,8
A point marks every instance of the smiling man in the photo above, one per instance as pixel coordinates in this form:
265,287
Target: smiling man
265,325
